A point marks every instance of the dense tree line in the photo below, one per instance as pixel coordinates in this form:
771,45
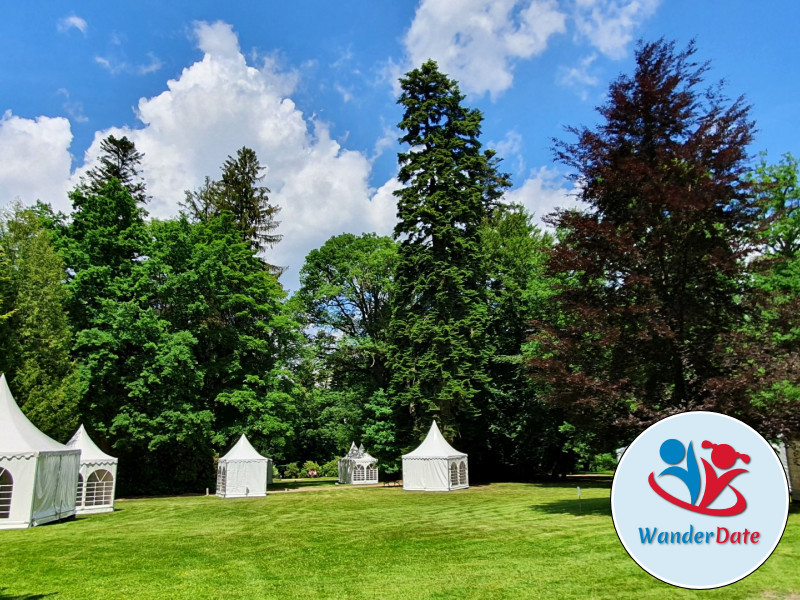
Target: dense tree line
674,287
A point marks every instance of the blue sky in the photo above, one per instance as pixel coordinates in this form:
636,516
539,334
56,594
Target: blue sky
311,86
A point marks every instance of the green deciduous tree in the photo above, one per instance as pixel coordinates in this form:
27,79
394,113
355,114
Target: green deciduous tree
777,192
102,244
344,294
523,432
190,348
763,354
37,336
345,288
438,344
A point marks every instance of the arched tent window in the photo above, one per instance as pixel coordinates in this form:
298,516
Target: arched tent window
462,473
221,476
372,472
6,488
79,493
99,488
453,474
358,473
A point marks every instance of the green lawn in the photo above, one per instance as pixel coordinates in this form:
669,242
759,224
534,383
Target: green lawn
495,541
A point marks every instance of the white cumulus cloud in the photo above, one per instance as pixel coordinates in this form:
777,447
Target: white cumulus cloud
221,103
543,192
478,41
35,160
609,25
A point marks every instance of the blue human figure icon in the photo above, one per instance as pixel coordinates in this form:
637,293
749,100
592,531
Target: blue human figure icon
672,452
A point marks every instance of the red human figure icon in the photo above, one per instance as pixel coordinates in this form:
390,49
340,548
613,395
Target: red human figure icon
724,457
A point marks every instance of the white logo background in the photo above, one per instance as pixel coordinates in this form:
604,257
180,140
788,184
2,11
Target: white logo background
635,505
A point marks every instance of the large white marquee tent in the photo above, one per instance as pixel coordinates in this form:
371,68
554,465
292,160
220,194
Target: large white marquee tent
242,472
358,467
435,466
38,476
97,480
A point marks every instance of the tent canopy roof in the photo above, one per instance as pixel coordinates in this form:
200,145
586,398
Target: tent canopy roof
17,434
89,450
359,455
243,450
435,446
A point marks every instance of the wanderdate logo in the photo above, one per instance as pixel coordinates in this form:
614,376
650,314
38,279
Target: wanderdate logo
723,457
699,500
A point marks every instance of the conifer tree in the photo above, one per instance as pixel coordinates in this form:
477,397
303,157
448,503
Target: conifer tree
119,160
240,193
438,348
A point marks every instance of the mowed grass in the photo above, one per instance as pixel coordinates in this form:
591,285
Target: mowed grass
495,541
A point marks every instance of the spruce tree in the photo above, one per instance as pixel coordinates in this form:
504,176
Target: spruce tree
438,348
241,194
119,160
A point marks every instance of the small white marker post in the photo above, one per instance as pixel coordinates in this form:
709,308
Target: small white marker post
580,506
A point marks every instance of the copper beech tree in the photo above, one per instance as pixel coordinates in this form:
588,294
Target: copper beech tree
656,255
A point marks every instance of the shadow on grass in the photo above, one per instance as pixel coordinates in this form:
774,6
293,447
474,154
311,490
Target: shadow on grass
294,484
587,506
5,596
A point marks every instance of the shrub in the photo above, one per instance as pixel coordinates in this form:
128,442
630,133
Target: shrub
604,462
291,471
330,468
310,469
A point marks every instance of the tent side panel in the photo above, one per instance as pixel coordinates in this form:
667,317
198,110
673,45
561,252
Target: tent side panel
86,470
67,484
428,474
345,471
236,479
45,488
55,485
23,473
461,481
245,478
257,478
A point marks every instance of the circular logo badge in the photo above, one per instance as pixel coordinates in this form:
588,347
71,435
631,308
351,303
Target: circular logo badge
700,500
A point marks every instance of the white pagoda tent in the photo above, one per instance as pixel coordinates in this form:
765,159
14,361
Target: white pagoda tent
435,466
242,472
358,467
97,479
38,476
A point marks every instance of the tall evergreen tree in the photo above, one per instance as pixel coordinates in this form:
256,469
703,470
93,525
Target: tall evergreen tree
240,193
658,254
438,347
119,160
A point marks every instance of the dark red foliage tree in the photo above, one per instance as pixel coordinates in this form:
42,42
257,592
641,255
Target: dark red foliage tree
657,255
